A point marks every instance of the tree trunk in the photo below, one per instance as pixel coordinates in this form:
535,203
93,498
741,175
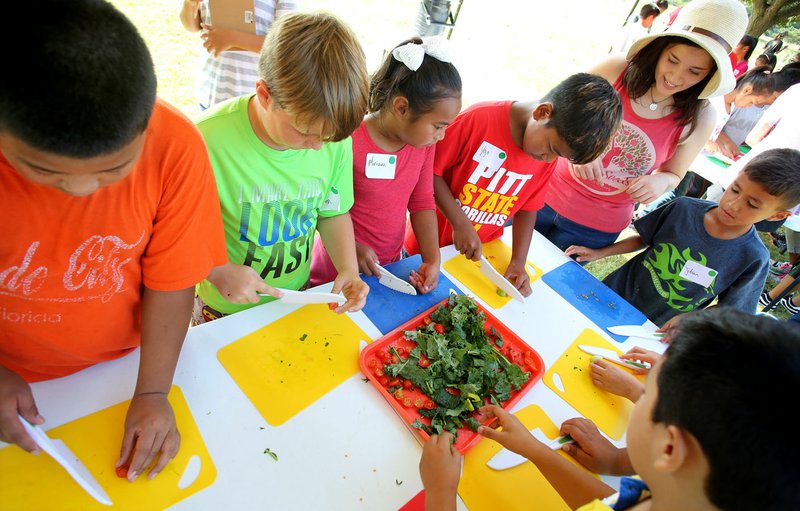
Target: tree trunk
766,14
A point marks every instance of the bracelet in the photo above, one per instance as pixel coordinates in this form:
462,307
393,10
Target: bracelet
147,393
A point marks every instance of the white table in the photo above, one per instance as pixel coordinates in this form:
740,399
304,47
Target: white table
348,450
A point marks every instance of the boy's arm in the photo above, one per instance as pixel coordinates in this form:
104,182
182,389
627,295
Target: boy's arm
521,234
337,236
465,238
150,428
585,254
190,15
572,483
425,230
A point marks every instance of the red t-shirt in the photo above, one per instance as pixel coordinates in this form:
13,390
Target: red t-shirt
490,176
385,186
72,269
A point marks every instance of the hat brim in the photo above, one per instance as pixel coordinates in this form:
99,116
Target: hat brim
721,82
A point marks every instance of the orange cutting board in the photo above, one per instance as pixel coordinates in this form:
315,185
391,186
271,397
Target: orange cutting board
519,488
285,366
38,482
608,411
468,272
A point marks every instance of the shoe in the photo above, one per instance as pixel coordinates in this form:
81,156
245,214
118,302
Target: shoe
791,308
779,240
764,299
779,268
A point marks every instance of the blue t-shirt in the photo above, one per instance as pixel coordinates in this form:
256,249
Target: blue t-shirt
658,281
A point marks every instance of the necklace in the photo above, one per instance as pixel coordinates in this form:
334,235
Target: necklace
653,103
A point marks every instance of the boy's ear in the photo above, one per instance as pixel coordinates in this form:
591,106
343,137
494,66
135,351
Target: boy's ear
674,447
543,111
400,106
263,95
780,215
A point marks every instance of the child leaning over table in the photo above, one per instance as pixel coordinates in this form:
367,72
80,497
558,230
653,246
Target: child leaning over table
495,164
284,166
414,96
111,220
701,437
696,250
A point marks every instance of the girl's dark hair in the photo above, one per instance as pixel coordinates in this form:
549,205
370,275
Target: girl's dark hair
759,78
638,77
750,42
433,81
770,58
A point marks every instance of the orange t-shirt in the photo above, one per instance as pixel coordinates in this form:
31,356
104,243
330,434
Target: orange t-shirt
72,269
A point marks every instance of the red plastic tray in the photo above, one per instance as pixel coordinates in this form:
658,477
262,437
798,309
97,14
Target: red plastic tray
466,437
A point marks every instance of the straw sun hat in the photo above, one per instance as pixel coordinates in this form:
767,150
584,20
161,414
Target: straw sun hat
714,25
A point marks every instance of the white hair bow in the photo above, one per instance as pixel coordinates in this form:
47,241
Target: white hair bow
412,54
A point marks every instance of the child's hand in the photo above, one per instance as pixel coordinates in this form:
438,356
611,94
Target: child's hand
150,431
240,284
354,289
440,469
514,436
668,328
641,355
216,40
593,450
367,260
468,242
646,189
584,254
592,171
516,274
606,376
16,399
426,278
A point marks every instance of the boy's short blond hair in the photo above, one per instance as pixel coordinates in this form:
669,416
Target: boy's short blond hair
315,70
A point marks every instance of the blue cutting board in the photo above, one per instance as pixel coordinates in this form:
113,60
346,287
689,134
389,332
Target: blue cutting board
594,299
388,309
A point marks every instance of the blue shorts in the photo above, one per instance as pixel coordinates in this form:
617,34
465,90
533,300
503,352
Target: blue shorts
563,232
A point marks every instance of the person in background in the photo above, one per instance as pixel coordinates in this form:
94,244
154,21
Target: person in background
414,96
494,164
696,251
663,83
637,29
230,66
767,59
115,220
741,55
284,166
776,45
680,442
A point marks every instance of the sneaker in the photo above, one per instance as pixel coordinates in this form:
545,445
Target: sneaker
779,268
764,299
791,308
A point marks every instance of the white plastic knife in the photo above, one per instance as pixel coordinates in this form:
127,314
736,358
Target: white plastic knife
61,453
636,331
291,296
498,280
509,459
391,281
612,356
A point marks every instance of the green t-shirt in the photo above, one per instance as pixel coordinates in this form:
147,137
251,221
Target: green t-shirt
271,199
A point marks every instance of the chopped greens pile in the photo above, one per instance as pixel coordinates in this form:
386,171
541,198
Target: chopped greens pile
456,364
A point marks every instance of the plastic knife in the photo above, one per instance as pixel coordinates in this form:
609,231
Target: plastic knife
636,331
498,280
509,459
391,281
612,356
291,296
61,453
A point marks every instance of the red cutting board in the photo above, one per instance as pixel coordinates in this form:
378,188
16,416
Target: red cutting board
369,361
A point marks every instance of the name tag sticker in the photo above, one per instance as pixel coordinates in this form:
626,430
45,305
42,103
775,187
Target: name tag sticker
699,274
380,166
331,202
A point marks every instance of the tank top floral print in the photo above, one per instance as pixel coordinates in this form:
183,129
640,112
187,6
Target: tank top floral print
638,148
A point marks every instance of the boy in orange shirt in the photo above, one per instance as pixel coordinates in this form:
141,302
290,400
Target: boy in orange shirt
113,219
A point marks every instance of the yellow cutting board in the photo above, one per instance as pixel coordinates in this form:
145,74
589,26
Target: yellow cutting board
469,273
609,412
37,482
519,488
285,366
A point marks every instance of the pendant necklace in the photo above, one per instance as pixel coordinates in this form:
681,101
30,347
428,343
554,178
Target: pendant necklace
653,103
